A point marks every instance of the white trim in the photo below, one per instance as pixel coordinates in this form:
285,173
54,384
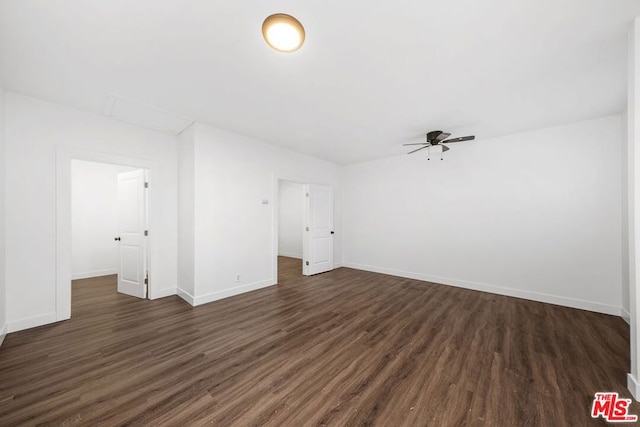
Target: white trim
97,273
185,296
337,265
290,255
3,333
64,155
162,293
626,316
275,225
215,296
31,322
517,293
634,387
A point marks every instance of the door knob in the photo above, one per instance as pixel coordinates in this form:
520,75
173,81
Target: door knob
117,239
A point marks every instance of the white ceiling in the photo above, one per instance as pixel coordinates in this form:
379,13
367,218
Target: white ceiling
371,75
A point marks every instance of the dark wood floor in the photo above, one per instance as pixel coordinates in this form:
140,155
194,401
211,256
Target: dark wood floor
341,348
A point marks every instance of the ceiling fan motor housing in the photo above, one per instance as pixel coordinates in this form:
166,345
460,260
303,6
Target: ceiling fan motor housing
433,135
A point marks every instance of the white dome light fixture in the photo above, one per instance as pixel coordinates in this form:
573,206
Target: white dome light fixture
283,33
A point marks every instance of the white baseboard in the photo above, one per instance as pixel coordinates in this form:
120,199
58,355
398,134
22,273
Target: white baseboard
97,273
215,296
626,316
290,255
31,322
162,293
634,387
517,293
3,333
185,296
337,264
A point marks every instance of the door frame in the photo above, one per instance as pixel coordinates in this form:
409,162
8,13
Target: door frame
275,223
64,156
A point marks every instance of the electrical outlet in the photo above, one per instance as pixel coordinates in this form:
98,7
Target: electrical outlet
237,277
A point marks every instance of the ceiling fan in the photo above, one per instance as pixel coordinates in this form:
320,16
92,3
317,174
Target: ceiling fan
437,137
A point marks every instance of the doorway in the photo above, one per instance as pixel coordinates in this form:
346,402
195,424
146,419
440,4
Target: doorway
290,224
291,221
108,220
304,224
64,259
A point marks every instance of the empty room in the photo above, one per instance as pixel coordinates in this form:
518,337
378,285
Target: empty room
319,213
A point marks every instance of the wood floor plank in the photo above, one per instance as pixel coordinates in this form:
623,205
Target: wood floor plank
342,348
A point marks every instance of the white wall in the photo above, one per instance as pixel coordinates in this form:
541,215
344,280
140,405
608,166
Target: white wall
3,304
94,218
35,129
186,215
291,219
535,215
633,169
626,308
235,233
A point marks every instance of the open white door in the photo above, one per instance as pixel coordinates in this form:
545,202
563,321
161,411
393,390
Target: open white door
318,233
132,271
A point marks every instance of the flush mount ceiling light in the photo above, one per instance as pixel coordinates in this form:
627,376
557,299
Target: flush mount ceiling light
283,32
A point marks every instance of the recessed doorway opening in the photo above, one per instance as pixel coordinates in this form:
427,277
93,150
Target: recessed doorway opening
138,216
304,226
291,222
108,222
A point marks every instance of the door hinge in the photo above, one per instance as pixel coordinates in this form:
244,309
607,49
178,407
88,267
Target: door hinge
306,229
146,280
146,185
307,195
146,232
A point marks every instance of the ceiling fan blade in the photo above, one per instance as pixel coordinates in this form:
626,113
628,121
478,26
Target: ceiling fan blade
440,138
417,143
421,148
445,148
462,138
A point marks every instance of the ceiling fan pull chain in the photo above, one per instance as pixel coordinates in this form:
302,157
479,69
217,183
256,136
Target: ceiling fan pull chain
429,153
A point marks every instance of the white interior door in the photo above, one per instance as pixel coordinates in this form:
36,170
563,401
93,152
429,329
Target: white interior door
318,234
132,270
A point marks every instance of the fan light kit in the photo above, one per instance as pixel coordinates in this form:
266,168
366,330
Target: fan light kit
437,137
283,32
